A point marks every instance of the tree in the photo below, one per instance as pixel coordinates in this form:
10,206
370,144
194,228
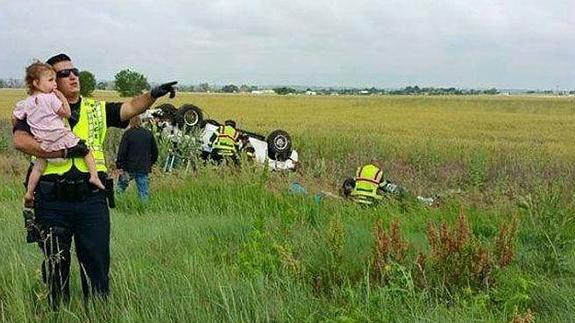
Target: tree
491,91
130,83
185,88
87,83
284,90
2,84
13,83
230,89
101,85
247,88
203,87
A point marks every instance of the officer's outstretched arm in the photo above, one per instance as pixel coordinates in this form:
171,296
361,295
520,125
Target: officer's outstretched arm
135,106
141,103
390,187
24,142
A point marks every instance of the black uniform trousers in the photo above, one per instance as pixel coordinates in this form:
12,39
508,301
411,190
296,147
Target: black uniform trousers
86,220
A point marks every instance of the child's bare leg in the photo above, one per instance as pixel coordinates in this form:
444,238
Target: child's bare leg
33,180
94,179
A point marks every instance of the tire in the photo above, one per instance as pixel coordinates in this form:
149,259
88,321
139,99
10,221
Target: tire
279,145
168,112
190,116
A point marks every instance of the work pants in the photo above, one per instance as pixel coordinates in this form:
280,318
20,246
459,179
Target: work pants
85,220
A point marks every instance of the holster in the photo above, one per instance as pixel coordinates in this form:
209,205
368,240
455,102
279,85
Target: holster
33,230
109,183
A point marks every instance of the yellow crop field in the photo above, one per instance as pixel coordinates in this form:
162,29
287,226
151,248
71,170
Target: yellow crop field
336,133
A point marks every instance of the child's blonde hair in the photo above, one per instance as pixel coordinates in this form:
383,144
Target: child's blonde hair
34,72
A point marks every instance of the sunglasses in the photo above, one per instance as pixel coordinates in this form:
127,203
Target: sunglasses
66,72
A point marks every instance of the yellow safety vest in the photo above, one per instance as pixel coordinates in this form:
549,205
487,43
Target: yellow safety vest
91,127
226,140
367,180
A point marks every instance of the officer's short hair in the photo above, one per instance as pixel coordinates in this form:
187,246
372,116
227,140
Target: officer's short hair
58,58
347,187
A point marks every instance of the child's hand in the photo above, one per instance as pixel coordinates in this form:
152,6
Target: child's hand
59,95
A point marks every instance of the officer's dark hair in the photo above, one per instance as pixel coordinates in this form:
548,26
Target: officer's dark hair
230,123
58,58
347,187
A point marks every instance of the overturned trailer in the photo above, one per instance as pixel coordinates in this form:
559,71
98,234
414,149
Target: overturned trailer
187,124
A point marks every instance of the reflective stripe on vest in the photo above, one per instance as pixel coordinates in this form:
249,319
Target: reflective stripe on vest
91,127
226,139
367,179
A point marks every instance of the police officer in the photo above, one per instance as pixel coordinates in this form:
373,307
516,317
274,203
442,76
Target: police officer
66,206
226,142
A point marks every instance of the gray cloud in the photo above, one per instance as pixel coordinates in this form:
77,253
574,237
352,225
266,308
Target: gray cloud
386,43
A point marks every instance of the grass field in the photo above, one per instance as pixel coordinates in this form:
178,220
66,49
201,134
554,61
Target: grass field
214,245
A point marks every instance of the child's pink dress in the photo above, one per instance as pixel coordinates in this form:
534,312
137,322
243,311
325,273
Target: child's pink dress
40,111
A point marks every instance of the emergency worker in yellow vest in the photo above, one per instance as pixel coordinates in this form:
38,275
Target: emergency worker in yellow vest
226,142
66,205
368,187
367,181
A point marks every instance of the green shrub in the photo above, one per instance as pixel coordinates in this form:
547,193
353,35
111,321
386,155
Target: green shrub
549,234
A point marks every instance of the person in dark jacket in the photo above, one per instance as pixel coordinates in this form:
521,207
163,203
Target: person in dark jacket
137,153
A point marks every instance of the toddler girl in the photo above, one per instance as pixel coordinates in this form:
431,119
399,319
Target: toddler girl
43,111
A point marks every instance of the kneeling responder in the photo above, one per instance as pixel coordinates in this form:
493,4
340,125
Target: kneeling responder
225,143
368,187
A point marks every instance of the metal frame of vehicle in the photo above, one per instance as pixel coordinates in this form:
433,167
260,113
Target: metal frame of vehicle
274,150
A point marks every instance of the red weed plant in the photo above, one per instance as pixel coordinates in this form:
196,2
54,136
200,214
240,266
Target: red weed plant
527,317
456,257
505,243
389,248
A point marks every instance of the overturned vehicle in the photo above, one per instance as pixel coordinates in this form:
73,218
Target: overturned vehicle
190,134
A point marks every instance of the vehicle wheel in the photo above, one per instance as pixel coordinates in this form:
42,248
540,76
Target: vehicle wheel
190,116
279,145
168,112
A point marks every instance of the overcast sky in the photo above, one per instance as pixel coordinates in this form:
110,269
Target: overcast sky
382,43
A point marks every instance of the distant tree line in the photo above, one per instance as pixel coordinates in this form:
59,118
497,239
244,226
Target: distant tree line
416,90
410,90
130,83
11,83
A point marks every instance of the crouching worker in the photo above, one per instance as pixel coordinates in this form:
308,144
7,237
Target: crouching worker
226,143
367,187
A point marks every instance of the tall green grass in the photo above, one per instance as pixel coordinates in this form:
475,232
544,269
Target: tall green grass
224,248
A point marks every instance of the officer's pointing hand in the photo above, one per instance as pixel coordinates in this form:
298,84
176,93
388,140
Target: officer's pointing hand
164,89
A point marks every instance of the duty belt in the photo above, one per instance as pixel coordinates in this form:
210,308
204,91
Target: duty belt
67,189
